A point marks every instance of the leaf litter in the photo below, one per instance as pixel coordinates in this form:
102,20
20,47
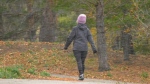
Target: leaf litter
51,57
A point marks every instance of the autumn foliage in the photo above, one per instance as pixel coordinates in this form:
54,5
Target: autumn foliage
40,59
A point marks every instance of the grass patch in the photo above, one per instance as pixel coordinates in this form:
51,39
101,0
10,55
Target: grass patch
109,74
32,71
44,73
31,52
71,54
142,49
144,75
8,44
46,65
10,72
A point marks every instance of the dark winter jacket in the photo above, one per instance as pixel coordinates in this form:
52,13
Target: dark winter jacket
80,36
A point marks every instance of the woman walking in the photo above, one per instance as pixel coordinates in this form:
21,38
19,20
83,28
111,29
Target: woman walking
80,36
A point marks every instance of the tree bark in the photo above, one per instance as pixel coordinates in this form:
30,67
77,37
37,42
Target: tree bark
31,32
126,47
1,27
101,42
127,44
48,28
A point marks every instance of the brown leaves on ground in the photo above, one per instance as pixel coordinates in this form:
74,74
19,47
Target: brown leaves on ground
51,57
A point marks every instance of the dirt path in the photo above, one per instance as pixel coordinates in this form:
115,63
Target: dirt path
95,81
27,81
86,81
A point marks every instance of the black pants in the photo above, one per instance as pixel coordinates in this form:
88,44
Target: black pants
80,58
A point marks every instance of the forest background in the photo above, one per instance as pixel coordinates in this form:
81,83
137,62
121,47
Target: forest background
52,21
27,20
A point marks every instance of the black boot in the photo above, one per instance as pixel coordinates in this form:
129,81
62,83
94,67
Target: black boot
81,77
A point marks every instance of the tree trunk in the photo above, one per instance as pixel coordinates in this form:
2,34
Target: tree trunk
47,30
127,44
1,27
126,47
31,32
101,42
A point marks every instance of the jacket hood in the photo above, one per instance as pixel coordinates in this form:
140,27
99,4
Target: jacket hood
82,26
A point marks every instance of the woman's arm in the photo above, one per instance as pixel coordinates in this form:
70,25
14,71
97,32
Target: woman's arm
70,38
90,40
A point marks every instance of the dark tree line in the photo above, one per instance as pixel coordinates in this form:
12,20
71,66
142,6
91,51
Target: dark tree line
21,19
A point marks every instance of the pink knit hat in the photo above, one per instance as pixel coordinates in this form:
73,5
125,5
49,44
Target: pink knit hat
81,19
